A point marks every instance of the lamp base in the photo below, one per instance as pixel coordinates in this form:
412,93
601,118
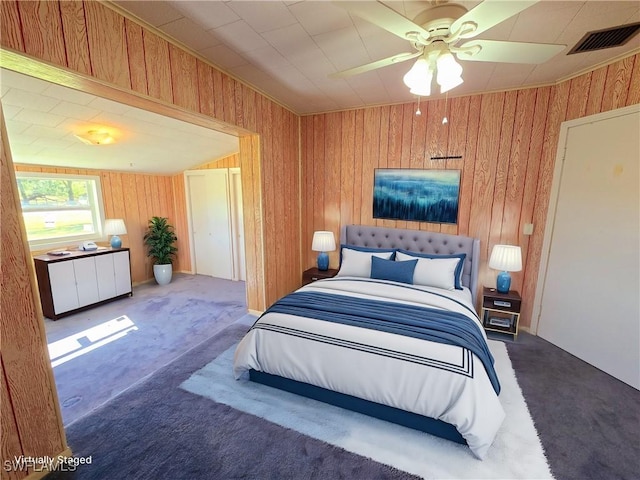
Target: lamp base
323,261
503,282
116,242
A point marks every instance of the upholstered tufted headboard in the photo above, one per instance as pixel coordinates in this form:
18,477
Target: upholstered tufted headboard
421,242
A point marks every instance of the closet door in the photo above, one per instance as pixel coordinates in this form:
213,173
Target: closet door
210,222
590,304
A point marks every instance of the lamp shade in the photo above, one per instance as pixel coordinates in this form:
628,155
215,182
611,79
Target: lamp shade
507,258
115,226
323,242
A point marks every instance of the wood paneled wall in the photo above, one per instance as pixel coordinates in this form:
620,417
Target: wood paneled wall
135,198
31,418
508,144
93,47
232,161
97,40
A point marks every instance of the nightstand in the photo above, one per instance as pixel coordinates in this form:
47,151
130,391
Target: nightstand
500,311
314,274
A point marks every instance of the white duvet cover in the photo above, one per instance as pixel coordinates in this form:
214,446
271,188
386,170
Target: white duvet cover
444,382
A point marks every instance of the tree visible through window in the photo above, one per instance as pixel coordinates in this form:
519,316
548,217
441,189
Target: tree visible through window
58,208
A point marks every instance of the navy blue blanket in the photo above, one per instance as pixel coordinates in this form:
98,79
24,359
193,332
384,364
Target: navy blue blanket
450,328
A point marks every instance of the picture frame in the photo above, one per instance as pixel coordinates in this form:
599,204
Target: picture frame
417,195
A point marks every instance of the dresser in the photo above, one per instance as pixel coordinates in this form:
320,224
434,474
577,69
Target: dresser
79,280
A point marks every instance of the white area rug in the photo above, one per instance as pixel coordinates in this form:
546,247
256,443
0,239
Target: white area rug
515,453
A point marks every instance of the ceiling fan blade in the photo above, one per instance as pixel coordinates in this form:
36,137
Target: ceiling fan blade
401,57
384,17
508,52
490,13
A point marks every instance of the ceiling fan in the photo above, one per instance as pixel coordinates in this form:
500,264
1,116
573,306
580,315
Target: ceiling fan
435,33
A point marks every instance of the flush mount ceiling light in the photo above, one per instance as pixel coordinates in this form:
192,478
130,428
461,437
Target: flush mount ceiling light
95,137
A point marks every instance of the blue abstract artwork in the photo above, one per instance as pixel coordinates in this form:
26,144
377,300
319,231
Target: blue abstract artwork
416,195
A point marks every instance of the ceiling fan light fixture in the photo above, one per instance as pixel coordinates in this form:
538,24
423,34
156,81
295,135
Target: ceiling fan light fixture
449,73
449,84
419,77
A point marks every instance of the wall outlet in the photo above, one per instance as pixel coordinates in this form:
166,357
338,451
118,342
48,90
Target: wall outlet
528,229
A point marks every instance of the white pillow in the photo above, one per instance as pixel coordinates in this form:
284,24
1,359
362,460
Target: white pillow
358,264
433,272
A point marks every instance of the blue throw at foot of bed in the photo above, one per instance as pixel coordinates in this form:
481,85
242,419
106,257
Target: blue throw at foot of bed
431,324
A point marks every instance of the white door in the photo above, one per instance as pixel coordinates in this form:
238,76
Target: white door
63,286
209,209
198,202
590,303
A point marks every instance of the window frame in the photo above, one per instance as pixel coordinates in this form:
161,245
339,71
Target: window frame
97,211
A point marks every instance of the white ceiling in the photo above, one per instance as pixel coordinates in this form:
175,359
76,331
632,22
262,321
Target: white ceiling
42,119
288,48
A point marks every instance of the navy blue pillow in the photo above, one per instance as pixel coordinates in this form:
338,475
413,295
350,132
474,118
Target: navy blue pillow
390,270
368,249
459,267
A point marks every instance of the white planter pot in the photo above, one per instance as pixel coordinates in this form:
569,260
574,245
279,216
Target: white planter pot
162,273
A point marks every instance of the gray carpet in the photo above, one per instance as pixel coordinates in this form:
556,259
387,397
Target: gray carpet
156,430
588,423
168,321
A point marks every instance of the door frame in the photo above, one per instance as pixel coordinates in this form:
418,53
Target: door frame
249,145
565,128
238,247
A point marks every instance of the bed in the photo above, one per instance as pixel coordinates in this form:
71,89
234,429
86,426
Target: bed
394,335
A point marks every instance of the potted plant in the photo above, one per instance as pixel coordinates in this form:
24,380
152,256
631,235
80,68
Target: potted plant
160,240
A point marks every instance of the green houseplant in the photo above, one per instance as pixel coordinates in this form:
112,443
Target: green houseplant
160,239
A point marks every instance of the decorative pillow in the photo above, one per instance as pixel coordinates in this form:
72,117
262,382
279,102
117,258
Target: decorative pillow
357,263
367,249
441,271
397,271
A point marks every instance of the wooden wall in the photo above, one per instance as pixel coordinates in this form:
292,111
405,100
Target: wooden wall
31,418
508,143
93,47
101,43
232,161
135,198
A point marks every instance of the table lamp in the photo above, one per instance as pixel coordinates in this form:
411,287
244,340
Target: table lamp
507,258
323,242
115,227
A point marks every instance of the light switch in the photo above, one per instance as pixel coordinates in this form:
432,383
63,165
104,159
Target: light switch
528,229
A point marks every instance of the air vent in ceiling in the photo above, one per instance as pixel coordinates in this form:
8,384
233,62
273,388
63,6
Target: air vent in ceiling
608,38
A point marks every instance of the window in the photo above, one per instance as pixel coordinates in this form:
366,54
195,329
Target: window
60,209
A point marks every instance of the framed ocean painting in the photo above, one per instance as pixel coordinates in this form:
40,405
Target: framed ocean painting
416,195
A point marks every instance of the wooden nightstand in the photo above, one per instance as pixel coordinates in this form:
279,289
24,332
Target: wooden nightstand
501,311
314,274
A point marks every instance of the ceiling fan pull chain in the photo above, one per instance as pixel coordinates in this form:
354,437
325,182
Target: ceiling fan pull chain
445,120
